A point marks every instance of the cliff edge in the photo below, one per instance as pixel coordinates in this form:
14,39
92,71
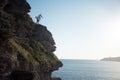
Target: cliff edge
26,48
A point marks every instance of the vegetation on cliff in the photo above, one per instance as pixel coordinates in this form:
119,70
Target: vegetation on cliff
24,45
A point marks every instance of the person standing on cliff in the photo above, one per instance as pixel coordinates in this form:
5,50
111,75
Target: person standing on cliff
38,18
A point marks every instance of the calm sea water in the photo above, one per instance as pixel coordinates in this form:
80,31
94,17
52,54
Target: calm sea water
88,70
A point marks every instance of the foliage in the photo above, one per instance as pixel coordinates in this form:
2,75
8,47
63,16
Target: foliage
41,55
23,52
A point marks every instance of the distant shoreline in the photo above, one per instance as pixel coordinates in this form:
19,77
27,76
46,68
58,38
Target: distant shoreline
80,59
117,59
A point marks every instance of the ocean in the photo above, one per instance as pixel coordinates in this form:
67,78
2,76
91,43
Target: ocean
88,70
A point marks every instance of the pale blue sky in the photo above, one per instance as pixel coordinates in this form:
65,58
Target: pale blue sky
82,29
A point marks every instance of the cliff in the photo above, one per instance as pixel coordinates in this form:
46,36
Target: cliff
26,48
111,59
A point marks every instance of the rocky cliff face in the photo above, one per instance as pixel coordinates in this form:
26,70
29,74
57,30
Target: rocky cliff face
26,48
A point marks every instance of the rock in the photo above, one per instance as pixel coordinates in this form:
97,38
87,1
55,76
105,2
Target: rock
5,64
3,3
41,34
15,6
21,75
26,48
56,78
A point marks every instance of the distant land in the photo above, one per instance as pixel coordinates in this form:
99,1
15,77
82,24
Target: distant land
111,59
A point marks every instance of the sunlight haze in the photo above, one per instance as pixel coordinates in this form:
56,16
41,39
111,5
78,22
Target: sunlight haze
82,29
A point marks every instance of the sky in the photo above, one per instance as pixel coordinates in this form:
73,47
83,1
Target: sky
82,29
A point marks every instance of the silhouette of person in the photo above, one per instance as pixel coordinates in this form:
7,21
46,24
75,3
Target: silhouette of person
38,18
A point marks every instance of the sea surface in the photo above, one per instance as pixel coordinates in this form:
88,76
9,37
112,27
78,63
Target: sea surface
88,70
